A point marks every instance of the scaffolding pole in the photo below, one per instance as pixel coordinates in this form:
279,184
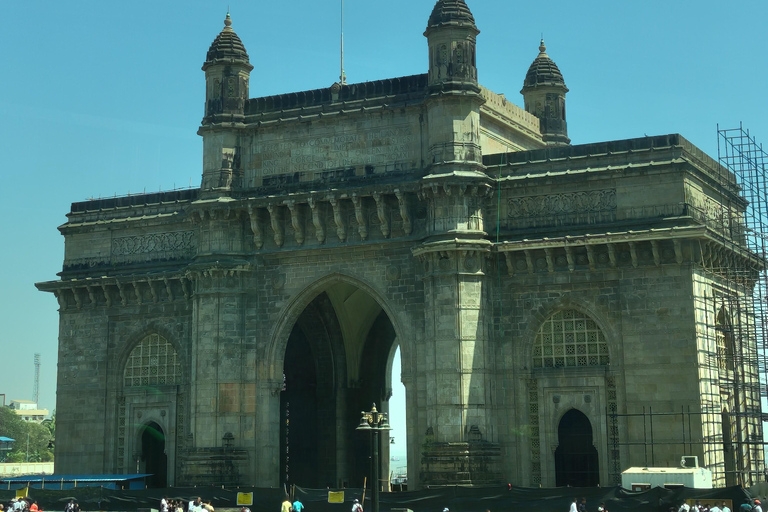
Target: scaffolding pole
730,307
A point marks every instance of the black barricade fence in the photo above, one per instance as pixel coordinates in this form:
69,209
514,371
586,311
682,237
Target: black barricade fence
457,499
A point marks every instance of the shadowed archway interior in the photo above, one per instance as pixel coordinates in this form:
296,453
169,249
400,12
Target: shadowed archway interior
153,455
335,366
576,461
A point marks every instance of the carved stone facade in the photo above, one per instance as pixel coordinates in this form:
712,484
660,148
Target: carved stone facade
538,295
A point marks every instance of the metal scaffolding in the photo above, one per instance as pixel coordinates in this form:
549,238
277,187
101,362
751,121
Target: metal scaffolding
730,293
736,310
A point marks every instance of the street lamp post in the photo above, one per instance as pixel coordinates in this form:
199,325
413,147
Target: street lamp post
374,422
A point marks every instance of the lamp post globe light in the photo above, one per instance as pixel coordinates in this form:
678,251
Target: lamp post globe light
374,422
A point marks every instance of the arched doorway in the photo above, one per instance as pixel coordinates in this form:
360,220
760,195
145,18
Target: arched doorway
729,454
336,364
153,455
576,462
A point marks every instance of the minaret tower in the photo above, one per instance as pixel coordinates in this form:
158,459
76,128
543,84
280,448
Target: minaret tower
454,100
227,71
455,424
544,92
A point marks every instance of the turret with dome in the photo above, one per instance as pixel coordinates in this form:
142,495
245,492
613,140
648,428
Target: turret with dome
227,70
544,92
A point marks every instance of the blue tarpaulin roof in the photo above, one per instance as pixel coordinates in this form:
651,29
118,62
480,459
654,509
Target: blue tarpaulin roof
6,440
75,478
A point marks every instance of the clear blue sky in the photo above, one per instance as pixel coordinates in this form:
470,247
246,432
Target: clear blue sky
104,98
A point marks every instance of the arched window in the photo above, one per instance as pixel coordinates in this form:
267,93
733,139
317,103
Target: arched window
152,362
724,339
569,339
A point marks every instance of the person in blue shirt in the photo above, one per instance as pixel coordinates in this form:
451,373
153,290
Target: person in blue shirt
298,506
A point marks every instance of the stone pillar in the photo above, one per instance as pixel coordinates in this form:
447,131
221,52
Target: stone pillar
456,446
223,389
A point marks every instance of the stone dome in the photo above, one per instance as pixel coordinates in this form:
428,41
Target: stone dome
543,71
451,12
227,46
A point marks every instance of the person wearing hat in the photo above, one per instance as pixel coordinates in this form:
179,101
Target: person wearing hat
356,506
758,506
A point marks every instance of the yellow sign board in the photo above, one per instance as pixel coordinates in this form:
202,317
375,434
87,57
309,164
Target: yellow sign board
22,493
244,499
335,496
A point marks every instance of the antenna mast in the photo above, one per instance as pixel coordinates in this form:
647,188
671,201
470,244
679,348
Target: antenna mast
36,388
343,76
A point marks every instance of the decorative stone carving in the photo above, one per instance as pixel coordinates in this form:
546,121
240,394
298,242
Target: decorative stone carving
341,229
316,221
471,263
153,246
393,273
381,210
568,208
277,226
362,226
253,214
278,281
298,229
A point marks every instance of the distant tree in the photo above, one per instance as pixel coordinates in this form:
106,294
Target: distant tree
38,435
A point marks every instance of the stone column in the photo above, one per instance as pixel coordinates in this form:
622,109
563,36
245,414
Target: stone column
454,358
222,382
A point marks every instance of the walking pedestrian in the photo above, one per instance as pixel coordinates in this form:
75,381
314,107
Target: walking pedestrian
286,506
356,506
298,506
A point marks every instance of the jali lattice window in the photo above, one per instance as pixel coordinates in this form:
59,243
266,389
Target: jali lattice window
152,362
724,340
569,339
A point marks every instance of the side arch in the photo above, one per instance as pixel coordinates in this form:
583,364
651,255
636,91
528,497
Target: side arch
164,408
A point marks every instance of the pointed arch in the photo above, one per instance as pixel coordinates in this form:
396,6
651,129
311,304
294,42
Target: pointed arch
576,458
140,336
296,306
724,340
569,338
154,361
579,306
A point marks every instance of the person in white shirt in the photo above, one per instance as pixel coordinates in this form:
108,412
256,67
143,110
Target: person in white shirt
574,505
724,507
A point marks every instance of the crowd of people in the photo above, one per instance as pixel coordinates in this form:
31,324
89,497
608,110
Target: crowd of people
718,506
21,505
195,505
581,506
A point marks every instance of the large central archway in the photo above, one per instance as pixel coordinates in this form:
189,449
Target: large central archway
337,362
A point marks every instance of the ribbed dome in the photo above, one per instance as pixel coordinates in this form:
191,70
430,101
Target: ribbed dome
543,71
451,12
227,45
